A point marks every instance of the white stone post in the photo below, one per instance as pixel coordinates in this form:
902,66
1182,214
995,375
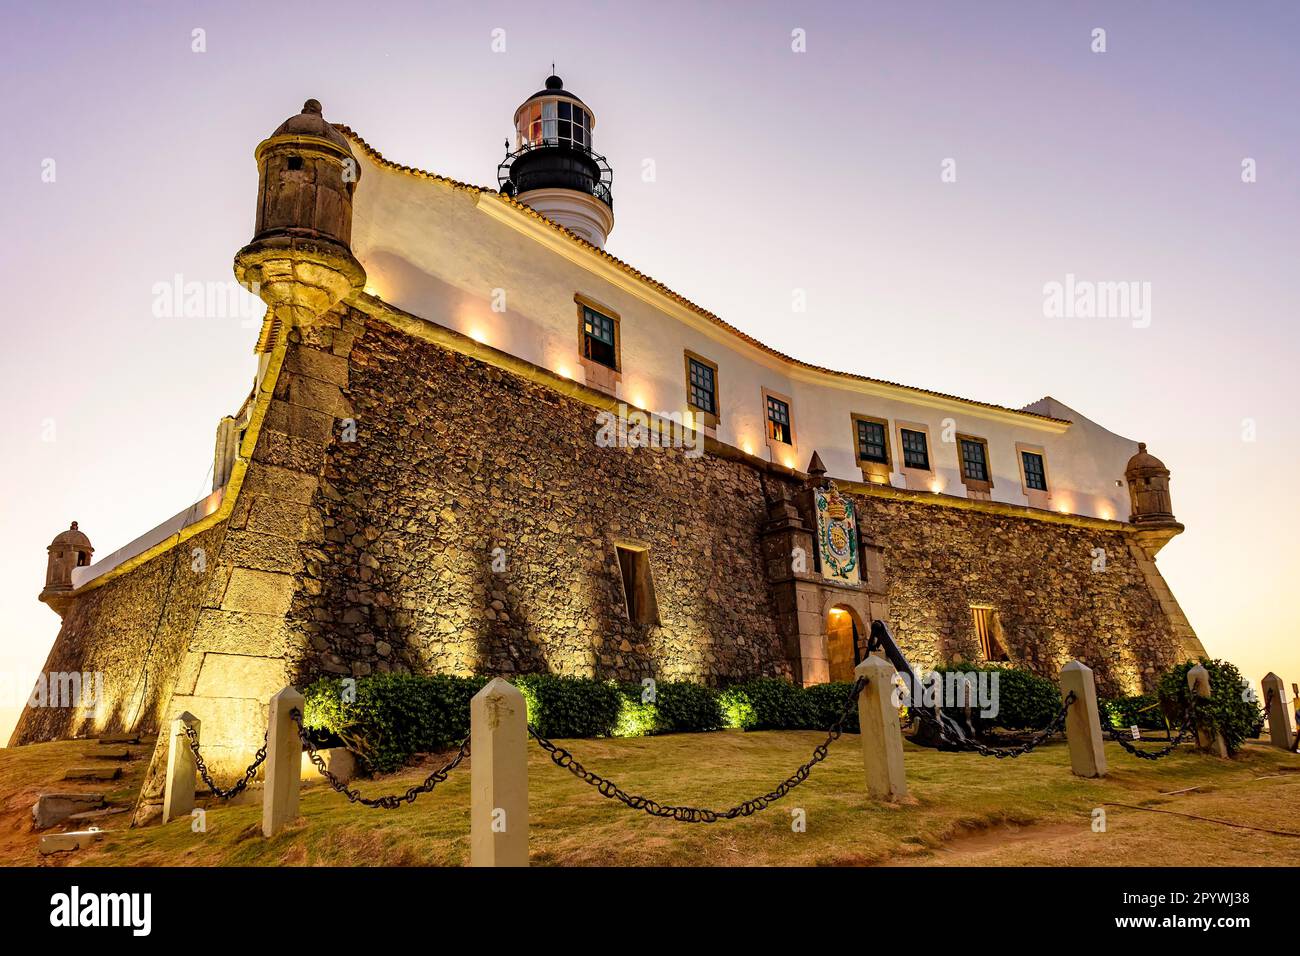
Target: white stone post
1083,731
882,740
498,742
182,772
1279,717
1208,738
283,763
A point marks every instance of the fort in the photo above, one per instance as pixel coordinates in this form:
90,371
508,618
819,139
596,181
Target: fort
402,431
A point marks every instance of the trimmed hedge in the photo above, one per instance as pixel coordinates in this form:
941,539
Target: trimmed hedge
678,707
1139,710
825,703
393,715
1237,715
773,703
560,706
1025,700
687,708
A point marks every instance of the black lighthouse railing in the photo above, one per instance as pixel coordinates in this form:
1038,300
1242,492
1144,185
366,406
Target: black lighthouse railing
556,164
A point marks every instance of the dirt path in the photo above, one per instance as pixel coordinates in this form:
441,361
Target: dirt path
1137,837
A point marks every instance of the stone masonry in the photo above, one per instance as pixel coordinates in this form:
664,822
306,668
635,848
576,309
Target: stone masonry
411,508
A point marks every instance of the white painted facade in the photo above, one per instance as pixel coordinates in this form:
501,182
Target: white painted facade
447,254
173,525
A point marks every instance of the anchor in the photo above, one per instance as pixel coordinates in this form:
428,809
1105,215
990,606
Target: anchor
954,732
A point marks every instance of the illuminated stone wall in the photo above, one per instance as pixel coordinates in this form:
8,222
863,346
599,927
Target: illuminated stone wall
454,458
411,508
1039,576
136,640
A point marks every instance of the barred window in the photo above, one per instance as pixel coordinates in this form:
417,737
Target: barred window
974,460
916,453
703,385
871,442
598,338
1035,472
778,420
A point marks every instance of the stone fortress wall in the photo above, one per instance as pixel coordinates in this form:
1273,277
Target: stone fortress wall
402,497
390,457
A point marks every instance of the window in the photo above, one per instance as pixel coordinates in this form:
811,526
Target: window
702,389
974,460
871,441
987,627
871,446
598,340
638,585
916,453
1034,481
1035,471
703,385
778,420
976,473
553,122
599,344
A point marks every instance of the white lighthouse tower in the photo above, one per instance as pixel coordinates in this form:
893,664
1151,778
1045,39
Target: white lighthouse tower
554,168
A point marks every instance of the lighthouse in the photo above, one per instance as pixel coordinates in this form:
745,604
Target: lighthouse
553,166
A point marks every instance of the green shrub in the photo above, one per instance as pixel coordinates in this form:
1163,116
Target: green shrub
825,703
1141,710
737,708
687,708
562,706
773,703
1235,715
767,703
393,715
678,707
1025,701
635,717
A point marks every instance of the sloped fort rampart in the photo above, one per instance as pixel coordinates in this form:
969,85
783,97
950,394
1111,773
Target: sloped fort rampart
396,495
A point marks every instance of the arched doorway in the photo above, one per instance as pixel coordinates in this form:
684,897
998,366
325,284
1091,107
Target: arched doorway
841,644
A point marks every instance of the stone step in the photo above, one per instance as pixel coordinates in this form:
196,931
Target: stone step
119,739
108,753
52,808
76,840
96,814
92,773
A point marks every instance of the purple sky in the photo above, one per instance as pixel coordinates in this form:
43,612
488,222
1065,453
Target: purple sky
775,170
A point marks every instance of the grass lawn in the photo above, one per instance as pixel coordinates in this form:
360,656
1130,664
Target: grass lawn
967,810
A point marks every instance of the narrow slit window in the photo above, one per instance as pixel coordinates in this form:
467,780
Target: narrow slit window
638,585
986,629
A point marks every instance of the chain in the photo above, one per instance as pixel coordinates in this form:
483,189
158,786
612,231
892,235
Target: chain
390,801
1188,720
607,788
983,750
203,768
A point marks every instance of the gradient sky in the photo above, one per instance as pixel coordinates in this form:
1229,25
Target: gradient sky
775,170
